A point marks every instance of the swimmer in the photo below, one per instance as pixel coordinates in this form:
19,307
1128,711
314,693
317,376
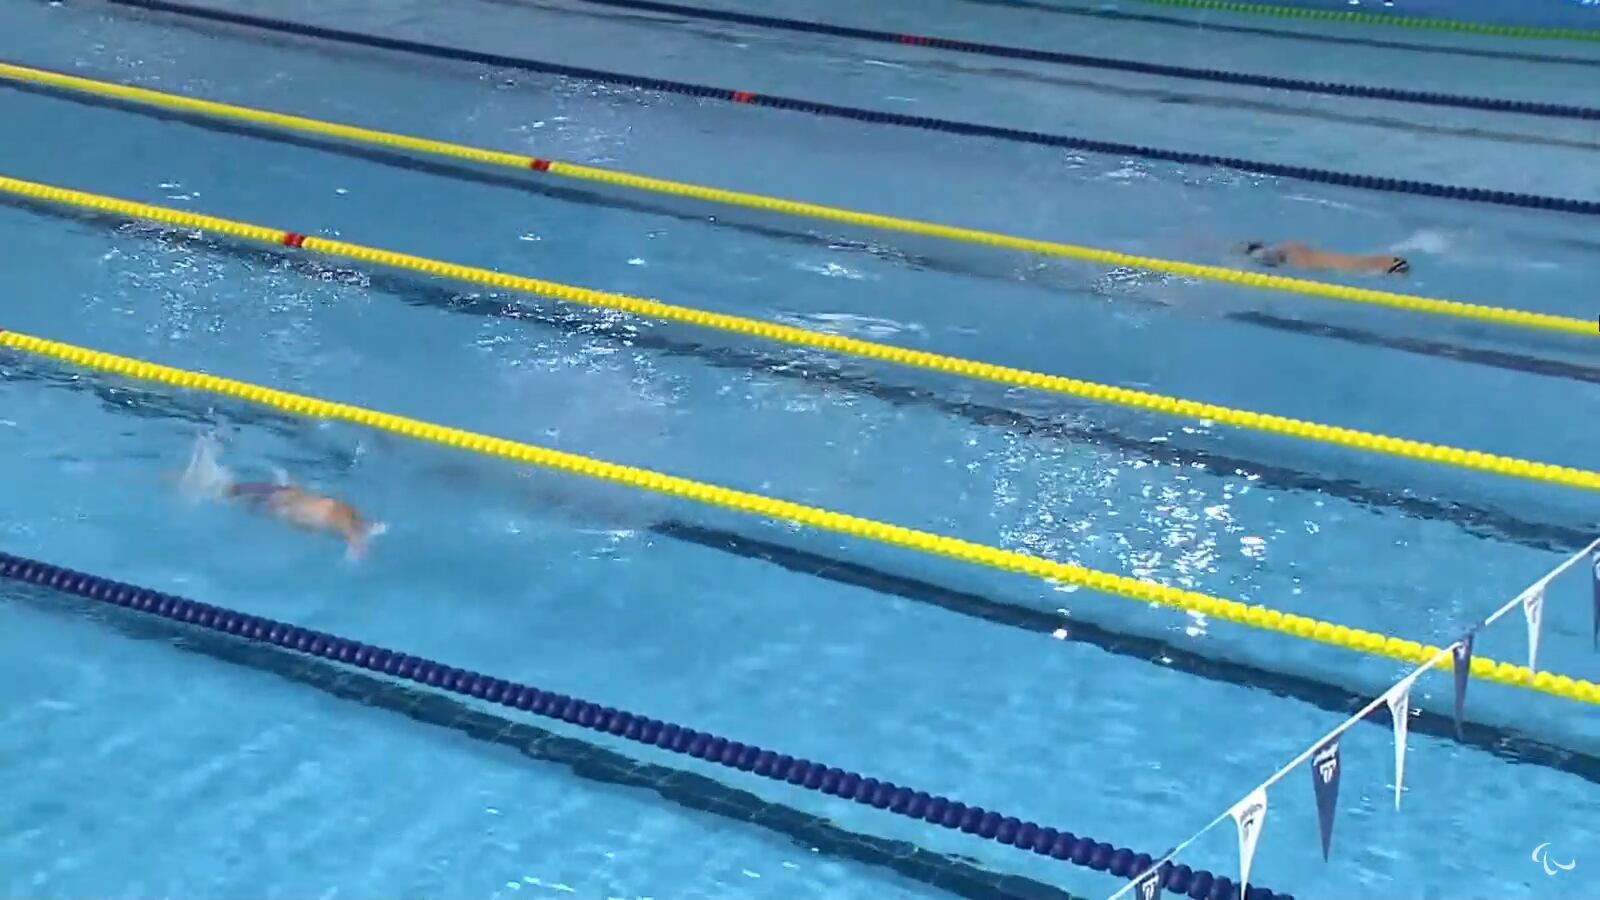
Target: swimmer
207,479
1300,256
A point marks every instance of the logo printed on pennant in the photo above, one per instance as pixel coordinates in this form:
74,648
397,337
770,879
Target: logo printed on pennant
1325,767
1150,885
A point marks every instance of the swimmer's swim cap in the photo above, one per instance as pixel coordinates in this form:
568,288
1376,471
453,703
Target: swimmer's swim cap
1400,267
1261,253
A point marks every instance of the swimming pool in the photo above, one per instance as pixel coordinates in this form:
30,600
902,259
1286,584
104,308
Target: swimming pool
148,760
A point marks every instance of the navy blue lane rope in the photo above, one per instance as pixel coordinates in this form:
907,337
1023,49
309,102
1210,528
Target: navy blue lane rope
950,126
1337,89
1062,845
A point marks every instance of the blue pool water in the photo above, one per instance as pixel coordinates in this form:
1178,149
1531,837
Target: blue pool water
150,762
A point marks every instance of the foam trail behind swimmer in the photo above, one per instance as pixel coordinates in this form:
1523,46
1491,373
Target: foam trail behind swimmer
205,478
357,549
1425,241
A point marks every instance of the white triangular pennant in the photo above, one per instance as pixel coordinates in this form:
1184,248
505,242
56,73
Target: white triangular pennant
1249,814
1399,700
1533,609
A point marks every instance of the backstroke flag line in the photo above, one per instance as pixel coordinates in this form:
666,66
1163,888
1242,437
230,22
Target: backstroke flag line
1324,756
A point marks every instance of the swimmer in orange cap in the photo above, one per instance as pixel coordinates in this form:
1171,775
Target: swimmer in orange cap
205,478
1300,256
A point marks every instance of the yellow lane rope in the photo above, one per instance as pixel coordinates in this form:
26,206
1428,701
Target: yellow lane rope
1453,308
1100,393
1259,617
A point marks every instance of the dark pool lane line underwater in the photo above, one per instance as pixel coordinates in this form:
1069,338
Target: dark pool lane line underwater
443,679
1482,521
1264,104
1080,60
948,126
1515,362
1507,743
583,760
